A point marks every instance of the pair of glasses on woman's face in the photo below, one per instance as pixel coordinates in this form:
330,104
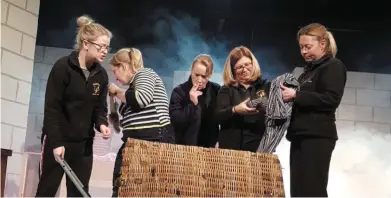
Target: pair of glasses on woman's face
100,47
242,66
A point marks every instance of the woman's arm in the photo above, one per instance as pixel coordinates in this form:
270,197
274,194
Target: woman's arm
141,93
224,108
181,113
101,109
120,94
332,80
52,114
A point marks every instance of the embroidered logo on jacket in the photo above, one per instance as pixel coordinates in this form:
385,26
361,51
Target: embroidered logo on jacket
95,89
261,93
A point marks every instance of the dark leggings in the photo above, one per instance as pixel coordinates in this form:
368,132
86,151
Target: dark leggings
309,166
161,134
79,157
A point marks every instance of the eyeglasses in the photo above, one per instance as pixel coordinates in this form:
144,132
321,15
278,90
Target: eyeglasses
245,65
100,47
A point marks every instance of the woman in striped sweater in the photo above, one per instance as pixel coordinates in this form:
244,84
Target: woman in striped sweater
144,108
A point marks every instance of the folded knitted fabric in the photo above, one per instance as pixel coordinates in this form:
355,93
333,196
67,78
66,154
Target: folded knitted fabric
258,103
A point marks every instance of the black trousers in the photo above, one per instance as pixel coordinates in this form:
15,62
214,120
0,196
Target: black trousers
79,157
309,166
161,134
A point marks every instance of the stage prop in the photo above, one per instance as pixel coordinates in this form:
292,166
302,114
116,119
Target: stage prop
152,169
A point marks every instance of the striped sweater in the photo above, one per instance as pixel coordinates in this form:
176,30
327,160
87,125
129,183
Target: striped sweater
146,102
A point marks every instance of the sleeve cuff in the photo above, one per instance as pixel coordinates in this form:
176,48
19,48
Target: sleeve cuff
227,112
57,144
130,96
101,122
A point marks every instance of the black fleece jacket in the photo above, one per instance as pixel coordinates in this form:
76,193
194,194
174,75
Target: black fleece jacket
74,103
194,124
321,89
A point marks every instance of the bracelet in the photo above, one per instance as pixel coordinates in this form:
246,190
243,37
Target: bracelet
233,110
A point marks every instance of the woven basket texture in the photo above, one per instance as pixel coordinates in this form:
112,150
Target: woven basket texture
151,169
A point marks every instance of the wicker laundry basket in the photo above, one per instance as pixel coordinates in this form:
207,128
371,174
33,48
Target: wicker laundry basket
153,169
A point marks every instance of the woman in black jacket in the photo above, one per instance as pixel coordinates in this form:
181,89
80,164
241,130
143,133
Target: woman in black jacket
312,130
241,127
192,106
75,102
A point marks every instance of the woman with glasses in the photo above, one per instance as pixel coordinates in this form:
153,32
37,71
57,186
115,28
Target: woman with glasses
75,104
242,127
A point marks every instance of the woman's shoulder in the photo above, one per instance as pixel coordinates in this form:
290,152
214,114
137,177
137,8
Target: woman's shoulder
261,82
62,63
334,64
214,85
226,87
333,61
146,72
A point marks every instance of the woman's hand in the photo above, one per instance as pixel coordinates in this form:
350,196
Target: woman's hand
113,89
194,93
243,109
60,151
288,94
106,132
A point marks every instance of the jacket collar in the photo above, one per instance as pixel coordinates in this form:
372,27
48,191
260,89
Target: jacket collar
190,84
73,59
257,83
314,64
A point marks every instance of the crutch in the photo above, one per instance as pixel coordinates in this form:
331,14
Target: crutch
72,176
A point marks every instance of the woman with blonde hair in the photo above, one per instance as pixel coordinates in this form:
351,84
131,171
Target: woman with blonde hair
192,105
75,102
144,108
242,127
312,130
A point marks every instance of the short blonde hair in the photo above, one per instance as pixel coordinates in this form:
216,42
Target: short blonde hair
320,32
89,30
206,61
234,56
132,56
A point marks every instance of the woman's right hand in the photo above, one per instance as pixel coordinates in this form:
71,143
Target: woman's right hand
60,151
243,109
112,89
194,93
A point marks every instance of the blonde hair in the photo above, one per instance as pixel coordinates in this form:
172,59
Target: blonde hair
206,61
89,30
234,56
320,32
132,56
